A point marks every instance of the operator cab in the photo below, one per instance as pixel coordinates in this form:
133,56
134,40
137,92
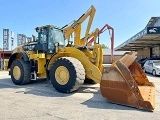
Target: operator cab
49,37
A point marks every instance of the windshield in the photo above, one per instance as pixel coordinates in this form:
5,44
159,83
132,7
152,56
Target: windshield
157,63
56,35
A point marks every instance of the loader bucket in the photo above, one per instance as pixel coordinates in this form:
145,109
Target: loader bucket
125,83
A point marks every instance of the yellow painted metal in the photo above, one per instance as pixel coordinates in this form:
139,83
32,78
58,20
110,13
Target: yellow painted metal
56,56
91,70
30,53
62,75
42,75
41,55
41,65
89,55
48,56
36,56
100,59
69,29
96,54
93,35
16,72
77,32
41,60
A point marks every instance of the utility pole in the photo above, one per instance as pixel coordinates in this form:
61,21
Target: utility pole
5,42
3,50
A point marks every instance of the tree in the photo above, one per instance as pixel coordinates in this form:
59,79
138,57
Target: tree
1,49
104,46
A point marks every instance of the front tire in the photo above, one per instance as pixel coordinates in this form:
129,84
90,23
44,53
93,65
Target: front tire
67,74
20,72
154,73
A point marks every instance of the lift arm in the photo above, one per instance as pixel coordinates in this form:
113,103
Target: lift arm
93,35
69,29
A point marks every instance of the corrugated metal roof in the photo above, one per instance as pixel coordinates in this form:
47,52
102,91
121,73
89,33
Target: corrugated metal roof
143,39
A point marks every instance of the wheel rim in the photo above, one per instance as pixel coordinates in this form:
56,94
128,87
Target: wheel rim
16,72
62,75
154,72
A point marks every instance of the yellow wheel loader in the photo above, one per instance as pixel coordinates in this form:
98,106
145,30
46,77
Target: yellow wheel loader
67,66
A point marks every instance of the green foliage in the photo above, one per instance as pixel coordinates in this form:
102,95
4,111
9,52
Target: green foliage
1,49
104,46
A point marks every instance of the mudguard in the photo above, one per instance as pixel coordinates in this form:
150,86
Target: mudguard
17,55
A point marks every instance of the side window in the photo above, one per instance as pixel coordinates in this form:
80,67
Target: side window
52,37
43,37
150,63
147,62
51,40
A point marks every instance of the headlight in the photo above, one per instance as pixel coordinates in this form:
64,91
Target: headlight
158,69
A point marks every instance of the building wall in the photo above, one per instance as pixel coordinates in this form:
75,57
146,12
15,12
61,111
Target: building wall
143,53
156,52
7,54
149,53
107,58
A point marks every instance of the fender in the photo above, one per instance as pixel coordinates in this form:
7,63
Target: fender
91,70
17,55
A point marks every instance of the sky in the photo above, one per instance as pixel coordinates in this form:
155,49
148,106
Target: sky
127,17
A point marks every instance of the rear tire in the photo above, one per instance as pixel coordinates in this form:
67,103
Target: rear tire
20,72
67,74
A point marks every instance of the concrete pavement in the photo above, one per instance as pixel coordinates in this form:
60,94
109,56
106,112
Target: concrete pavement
40,101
